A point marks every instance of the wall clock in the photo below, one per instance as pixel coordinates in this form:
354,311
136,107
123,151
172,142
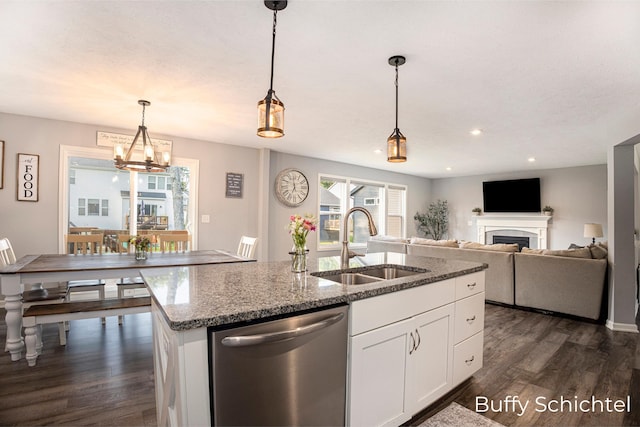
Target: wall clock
291,187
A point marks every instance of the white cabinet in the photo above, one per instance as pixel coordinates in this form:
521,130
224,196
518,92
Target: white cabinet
409,348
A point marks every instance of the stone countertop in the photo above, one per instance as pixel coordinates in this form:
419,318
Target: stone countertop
212,295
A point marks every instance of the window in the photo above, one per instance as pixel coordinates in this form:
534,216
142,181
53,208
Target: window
72,176
151,182
161,182
385,202
105,208
93,207
155,182
82,207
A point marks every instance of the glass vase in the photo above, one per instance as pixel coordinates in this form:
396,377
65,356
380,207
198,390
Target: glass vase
141,254
299,259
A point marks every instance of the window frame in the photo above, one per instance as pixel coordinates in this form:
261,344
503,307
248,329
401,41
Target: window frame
346,200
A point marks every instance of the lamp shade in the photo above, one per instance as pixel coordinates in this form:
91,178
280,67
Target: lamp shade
592,230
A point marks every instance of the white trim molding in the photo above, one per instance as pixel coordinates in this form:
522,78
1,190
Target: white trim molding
535,224
622,327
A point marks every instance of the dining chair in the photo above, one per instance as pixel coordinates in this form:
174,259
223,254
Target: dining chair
37,295
174,242
247,246
85,245
126,283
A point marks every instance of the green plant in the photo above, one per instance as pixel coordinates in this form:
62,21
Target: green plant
547,209
435,222
476,210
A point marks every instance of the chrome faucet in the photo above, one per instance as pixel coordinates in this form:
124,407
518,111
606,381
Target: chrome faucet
344,255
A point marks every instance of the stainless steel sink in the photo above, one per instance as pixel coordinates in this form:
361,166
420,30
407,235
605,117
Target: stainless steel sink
388,273
360,276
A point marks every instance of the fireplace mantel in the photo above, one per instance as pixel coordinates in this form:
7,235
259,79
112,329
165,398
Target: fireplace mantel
536,224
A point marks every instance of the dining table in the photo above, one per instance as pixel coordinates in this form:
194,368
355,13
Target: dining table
35,270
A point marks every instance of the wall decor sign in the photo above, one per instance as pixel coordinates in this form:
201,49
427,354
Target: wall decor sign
28,177
107,139
1,164
234,185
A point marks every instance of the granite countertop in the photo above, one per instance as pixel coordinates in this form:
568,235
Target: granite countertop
212,295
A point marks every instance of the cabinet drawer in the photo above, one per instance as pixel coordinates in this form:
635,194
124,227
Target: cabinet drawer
467,358
469,318
469,285
372,313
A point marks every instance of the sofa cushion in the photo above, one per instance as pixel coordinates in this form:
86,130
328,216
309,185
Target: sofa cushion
431,242
501,247
527,250
384,238
573,253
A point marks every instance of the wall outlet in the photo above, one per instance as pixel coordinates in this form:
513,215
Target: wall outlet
206,219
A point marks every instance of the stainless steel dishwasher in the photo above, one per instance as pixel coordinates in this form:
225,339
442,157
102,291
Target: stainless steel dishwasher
289,371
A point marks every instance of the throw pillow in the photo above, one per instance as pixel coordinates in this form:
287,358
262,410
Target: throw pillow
598,252
527,250
501,247
572,253
574,246
431,242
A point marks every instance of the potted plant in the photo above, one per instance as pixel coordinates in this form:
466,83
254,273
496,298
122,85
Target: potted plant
142,245
476,211
547,210
435,222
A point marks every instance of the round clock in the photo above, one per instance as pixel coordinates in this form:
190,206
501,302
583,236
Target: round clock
291,187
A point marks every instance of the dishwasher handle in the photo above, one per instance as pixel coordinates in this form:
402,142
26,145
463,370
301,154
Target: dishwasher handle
249,340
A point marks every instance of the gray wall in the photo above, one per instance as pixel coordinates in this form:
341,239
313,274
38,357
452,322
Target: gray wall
418,195
578,195
33,227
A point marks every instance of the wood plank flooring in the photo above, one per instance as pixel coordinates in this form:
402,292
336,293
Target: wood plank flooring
104,376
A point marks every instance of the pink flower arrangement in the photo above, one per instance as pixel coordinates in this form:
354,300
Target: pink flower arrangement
299,227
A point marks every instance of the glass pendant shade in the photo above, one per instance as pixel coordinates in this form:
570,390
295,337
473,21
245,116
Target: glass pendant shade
270,117
396,147
142,155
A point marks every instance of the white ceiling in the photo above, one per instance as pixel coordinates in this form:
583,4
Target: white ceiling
558,81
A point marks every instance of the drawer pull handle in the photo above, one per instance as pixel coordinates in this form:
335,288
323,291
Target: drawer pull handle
471,285
470,320
470,361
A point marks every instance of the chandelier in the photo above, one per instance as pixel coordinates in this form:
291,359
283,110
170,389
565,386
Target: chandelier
144,156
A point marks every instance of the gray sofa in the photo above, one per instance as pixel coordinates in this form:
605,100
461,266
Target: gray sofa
561,284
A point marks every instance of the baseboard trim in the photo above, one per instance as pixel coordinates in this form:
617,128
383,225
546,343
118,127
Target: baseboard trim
622,327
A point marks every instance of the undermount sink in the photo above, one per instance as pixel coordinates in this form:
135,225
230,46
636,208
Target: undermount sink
360,276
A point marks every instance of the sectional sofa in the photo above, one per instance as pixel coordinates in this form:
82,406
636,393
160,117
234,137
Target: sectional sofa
561,281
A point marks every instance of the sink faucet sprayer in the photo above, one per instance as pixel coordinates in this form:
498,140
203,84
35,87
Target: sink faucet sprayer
344,255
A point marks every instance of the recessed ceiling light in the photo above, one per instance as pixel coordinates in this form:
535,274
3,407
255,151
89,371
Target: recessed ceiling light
448,168
531,159
475,132
377,151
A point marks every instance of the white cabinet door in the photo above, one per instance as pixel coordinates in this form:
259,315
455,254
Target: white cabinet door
377,376
430,364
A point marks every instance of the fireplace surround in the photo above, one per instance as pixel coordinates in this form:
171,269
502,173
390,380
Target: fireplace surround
535,227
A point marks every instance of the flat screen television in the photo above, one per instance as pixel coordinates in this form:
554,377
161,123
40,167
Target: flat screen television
515,195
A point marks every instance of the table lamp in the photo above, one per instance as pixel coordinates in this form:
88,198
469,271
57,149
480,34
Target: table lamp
592,230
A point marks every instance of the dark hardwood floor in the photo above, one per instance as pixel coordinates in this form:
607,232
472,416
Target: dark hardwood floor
104,376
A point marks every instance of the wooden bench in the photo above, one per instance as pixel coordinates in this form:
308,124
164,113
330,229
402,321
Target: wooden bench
38,315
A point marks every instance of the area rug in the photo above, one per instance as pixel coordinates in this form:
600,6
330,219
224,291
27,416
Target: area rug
456,415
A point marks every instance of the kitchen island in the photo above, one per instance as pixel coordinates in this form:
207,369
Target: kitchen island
190,301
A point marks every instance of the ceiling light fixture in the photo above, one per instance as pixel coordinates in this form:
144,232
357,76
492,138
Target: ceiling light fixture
145,158
397,143
476,132
271,109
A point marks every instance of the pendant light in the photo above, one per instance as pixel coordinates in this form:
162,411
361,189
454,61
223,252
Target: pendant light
145,158
271,109
397,143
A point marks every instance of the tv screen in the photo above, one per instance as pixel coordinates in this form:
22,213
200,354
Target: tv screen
516,195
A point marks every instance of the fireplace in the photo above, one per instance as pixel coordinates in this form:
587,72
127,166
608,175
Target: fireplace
521,241
533,227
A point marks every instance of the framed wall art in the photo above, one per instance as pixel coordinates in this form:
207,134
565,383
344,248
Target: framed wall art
28,171
234,185
1,164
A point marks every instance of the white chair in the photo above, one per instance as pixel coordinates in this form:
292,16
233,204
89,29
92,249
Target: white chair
247,246
38,294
